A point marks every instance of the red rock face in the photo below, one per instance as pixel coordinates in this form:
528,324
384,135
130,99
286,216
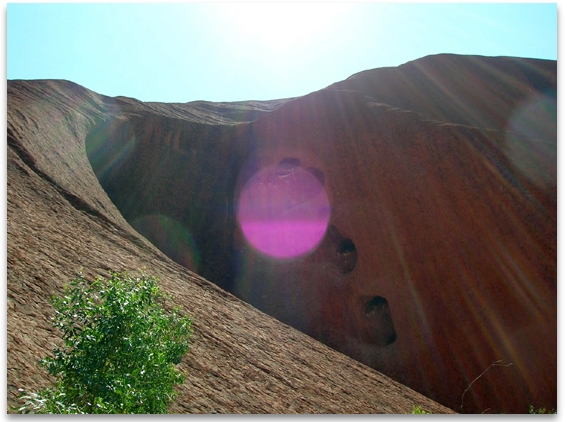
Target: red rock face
438,253
452,248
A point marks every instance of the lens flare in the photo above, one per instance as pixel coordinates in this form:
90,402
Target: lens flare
284,210
171,237
532,139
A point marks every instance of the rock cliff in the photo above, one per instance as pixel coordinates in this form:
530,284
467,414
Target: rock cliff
405,217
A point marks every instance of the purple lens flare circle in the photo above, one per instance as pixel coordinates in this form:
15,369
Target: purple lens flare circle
283,210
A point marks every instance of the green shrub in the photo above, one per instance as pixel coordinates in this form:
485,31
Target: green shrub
417,410
119,352
540,411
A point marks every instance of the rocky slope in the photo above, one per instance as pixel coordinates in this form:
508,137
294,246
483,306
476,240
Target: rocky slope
437,256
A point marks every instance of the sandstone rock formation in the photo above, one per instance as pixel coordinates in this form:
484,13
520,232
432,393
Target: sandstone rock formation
439,256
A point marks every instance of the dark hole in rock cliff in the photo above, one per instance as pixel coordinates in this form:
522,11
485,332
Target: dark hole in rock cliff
283,210
318,174
345,251
288,164
377,313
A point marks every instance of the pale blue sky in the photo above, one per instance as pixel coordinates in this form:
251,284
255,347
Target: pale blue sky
257,51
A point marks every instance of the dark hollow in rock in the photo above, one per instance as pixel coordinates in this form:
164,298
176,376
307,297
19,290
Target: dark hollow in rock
382,330
287,165
318,174
345,251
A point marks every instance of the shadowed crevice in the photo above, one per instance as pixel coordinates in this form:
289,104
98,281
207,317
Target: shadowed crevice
377,313
345,251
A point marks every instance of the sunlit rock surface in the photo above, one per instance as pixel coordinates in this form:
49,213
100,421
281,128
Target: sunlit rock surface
405,217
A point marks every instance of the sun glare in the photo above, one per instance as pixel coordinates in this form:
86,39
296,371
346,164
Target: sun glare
281,26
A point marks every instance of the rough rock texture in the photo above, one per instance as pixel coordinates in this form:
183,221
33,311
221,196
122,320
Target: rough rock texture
439,258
